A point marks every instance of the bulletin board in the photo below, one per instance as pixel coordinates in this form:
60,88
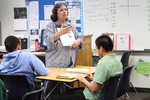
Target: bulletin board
38,19
73,7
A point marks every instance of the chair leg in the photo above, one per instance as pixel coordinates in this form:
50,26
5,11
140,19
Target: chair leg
133,87
68,86
127,96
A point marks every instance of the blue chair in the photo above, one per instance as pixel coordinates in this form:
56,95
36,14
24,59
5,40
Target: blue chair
34,95
125,59
3,91
124,83
109,91
17,85
125,62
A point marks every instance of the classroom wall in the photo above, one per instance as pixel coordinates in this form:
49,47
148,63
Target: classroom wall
7,17
138,80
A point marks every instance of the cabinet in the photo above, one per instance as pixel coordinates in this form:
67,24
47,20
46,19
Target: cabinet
85,56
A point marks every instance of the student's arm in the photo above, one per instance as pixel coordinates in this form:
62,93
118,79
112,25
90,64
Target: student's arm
94,87
38,66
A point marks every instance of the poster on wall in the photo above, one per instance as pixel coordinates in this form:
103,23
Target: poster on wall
34,35
20,18
74,17
34,15
122,41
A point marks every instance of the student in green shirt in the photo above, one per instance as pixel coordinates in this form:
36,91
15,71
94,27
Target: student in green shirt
107,66
3,91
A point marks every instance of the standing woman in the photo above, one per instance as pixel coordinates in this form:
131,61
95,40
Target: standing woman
58,55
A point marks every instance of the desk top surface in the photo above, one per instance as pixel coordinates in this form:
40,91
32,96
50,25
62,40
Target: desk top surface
54,72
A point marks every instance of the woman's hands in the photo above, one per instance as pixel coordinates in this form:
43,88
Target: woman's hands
65,30
75,44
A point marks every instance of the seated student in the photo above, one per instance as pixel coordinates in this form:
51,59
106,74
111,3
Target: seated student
3,91
107,66
18,62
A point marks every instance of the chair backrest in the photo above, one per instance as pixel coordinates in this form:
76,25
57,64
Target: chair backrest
17,85
124,83
125,59
3,91
109,91
34,95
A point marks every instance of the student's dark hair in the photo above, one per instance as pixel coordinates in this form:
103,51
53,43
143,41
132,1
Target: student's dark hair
11,43
105,41
54,16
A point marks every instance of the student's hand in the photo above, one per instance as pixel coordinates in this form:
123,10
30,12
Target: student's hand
80,78
75,44
90,76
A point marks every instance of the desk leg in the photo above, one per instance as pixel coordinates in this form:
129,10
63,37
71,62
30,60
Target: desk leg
51,90
68,85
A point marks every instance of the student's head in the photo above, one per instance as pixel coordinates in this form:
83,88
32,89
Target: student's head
12,43
60,11
104,44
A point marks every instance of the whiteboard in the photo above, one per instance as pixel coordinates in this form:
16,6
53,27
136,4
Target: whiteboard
118,17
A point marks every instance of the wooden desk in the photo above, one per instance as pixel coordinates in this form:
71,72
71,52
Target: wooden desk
54,72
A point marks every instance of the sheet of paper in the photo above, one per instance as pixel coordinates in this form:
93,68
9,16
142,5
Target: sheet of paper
68,76
2,49
59,1
20,24
43,23
34,15
78,70
48,11
143,67
74,14
67,39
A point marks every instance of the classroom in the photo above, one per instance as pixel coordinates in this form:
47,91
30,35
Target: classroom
129,17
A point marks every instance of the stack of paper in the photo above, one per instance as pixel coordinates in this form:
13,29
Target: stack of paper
78,70
66,76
